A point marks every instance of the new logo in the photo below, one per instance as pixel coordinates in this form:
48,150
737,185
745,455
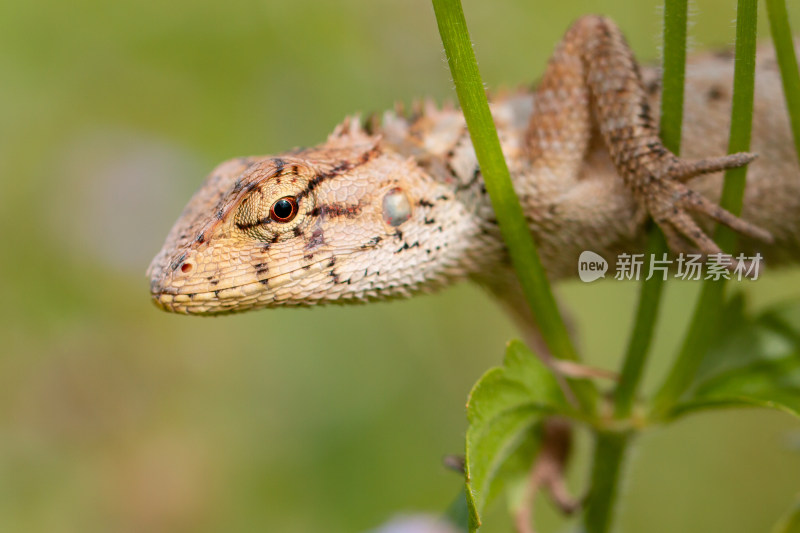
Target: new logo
591,266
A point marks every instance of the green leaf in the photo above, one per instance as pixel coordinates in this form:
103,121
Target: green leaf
791,522
515,473
458,512
755,361
504,409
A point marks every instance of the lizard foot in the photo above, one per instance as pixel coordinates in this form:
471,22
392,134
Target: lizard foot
670,201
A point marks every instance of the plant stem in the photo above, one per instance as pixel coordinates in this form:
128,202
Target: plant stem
642,334
513,227
609,454
704,319
674,68
610,448
787,61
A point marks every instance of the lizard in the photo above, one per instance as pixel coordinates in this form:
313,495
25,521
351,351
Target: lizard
393,206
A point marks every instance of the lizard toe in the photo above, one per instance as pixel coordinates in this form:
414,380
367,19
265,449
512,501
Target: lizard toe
683,170
686,226
671,203
694,201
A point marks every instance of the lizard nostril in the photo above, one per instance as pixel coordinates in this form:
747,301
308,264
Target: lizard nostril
186,268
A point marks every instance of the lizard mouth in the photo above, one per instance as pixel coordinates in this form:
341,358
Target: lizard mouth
257,294
222,301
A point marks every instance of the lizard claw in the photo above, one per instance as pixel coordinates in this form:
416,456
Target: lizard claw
670,202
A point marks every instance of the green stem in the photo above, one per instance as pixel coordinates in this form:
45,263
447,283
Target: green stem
674,68
642,334
517,236
787,61
674,65
609,455
610,448
704,320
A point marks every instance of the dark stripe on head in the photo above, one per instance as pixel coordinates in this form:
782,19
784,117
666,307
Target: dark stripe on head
249,225
337,210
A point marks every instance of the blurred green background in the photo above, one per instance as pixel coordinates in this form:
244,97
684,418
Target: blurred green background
117,417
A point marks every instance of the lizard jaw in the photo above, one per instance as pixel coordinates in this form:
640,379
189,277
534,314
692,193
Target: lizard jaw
236,298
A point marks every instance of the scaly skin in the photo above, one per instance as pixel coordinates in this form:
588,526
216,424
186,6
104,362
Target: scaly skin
399,207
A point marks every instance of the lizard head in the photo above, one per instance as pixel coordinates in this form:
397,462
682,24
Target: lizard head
345,221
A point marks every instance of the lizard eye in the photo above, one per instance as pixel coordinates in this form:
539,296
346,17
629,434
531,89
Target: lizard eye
284,209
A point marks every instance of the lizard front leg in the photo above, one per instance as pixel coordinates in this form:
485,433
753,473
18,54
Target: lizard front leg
592,88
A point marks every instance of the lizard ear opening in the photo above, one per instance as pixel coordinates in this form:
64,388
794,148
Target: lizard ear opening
396,207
